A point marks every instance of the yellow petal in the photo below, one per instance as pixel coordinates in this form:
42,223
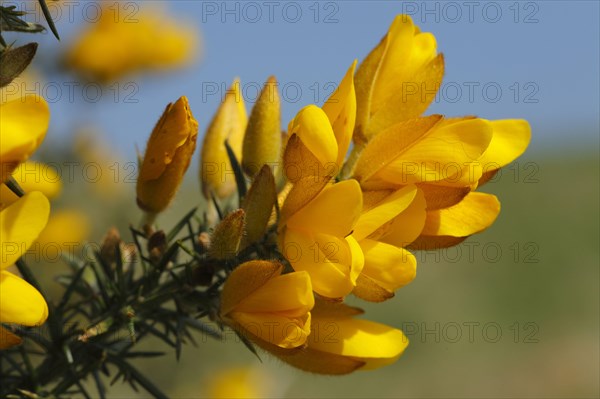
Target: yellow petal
405,227
333,263
334,211
375,344
229,123
389,145
408,51
276,329
289,294
411,99
389,266
20,225
475,213
23,126
341,111
364,81
509,140
312,126
245,279
445,155
386,210
20,303
8,339
262,140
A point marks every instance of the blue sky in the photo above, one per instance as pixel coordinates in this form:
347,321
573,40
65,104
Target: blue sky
537,60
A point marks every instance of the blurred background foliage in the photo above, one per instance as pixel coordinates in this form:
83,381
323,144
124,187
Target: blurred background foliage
512,312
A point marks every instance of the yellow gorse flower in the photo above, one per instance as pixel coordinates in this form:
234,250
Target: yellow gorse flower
446,158
118,45
168,154
266,306
20,225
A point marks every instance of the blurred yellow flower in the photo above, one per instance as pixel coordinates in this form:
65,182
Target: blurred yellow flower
168,154
23,126
264,305
120,45
66,229
110,175
228,124
32,176
237,382
20,225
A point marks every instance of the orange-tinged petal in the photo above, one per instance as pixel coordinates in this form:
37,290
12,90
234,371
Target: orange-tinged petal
20,302
392,206
475,213
334,211
8,339
341,111
170,133
312,126
23,126
20,225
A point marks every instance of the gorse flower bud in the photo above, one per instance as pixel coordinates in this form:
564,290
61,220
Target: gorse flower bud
262,141
266,306
228,124
227,236
168,154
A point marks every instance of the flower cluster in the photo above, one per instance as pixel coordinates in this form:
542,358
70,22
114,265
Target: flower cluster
23,126
315,224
